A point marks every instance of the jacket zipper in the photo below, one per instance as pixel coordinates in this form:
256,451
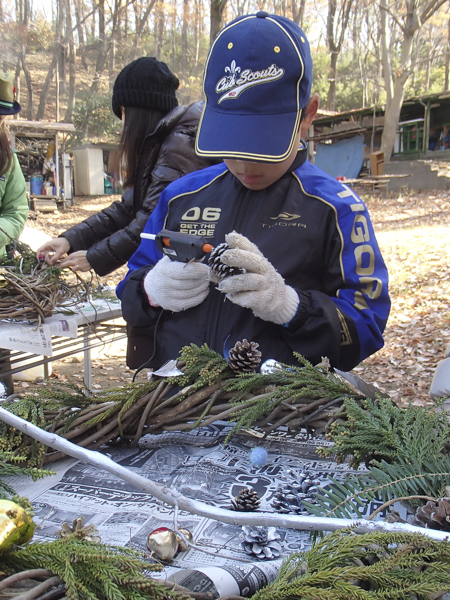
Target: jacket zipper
219,308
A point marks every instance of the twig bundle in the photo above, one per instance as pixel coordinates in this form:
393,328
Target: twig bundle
30,297
296,397
30,290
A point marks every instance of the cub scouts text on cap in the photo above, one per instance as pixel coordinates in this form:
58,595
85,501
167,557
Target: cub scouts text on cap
257,81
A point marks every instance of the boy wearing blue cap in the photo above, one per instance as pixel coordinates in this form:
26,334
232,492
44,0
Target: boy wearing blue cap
309,276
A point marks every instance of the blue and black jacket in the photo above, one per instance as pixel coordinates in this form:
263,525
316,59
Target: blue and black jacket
316,232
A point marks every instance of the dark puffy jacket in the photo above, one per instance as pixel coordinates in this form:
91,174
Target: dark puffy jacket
113,235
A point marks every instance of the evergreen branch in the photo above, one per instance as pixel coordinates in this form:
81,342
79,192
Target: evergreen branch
386,481
385,566
92,571
202,367
377,430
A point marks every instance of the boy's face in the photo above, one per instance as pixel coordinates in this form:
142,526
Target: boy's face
259,175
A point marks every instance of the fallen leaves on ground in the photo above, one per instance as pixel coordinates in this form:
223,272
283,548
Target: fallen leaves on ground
413,232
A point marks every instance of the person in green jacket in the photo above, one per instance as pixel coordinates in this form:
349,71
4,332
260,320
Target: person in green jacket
13,199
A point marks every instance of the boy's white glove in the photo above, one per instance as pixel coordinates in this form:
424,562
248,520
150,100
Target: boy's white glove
261,289
177,286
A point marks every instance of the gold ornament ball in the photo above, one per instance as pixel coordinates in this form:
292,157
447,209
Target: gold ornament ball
162,543
16,525
181,543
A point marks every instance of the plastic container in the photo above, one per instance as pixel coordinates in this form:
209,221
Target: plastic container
36,185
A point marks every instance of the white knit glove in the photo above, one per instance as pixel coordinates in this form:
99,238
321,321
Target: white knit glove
261,289
177,286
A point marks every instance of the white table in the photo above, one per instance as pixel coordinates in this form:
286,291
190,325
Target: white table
68,331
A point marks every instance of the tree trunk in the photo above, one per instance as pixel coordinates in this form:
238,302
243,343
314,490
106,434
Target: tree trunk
61,22
17,83
447,58
331,98
101,56
46,88
113,41
184,41
392,114
217,8
413,21
159,31
30,90
72,67
80,33
336,28
385,54
174,33
196,33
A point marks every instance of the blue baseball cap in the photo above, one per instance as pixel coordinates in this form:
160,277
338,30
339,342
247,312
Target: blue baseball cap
257,80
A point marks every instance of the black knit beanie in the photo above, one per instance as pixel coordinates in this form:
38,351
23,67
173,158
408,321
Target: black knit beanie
145,83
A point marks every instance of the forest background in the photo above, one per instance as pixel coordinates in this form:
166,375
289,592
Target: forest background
65,54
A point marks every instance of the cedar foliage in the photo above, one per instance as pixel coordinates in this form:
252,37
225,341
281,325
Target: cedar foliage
10,467
287,384
379,429
381,566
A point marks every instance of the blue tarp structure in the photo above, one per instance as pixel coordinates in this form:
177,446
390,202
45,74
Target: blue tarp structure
344,158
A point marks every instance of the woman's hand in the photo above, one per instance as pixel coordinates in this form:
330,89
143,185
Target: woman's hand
53,250
77,261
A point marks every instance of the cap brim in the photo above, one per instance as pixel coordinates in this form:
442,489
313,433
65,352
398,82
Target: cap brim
264,138
10,111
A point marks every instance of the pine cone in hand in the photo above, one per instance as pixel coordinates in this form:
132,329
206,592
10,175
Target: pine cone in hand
261,542
220,269
244,357
435,515
247,501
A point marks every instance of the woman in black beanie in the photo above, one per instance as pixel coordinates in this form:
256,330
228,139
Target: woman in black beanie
156,147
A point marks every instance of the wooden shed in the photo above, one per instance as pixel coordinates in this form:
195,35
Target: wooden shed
46,164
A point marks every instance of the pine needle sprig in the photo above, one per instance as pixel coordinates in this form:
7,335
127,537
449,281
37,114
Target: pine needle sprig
92,571
343,565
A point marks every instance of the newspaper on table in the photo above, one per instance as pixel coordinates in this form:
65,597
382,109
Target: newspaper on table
198,465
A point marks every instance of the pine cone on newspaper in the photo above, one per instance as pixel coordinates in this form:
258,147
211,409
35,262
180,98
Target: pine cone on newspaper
79,530
261,542
435,515
244,357
220,269
289,496
247,501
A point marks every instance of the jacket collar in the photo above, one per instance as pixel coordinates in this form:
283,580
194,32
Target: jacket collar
169,121
301,157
